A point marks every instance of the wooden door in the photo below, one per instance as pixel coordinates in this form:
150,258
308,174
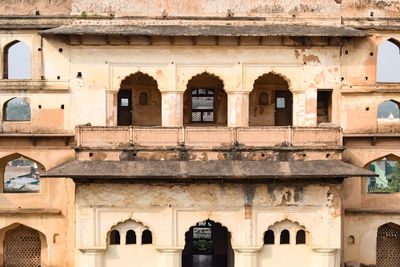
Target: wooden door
125,107
283,108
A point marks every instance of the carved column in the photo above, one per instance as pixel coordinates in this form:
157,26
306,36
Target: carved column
172,109
169,256
246,256
92,257
324,257
238,109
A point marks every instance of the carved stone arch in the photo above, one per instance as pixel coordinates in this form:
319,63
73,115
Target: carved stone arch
24,99
219,73
189,223
112,224
5,56
390,39
390,156
158,74
287,74
304,225
378,104
139,72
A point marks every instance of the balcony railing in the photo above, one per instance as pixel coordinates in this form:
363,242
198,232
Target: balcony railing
121,136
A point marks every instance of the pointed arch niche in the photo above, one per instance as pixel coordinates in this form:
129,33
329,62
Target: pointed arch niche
388,170
129,242
286,244
388,61
16,60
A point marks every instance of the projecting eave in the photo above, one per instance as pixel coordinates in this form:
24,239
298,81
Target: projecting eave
207,30
217,169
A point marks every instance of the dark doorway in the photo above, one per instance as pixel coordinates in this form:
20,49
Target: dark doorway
283,108
125,107
208,244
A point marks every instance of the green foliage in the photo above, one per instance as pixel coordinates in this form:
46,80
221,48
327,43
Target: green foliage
83,14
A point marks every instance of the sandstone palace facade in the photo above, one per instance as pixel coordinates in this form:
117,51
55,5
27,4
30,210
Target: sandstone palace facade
197,133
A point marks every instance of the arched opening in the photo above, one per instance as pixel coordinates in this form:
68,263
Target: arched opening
205,101
388,64
270,102
21,175
141,251
208,244
388,245
130,237
16,109
300,237
388,111
17,61
115,238
289,236
147,237
139,101
269,237
388,179
285,237
22,247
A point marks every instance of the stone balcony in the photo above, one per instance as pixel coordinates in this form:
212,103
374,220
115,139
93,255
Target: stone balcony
207,137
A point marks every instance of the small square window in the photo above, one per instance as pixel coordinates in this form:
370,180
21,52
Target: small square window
124,102
280,102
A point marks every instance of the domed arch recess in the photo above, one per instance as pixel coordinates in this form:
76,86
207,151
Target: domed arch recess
205,101
16,60
132,110
388,61
278,109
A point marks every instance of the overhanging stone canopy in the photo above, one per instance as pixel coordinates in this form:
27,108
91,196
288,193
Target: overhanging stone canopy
207,30
217,169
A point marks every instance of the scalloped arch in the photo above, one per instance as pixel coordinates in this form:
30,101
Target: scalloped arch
121,221
138,73
206,73
286,79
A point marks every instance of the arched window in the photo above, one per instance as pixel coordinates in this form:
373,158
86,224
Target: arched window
21,175
147,237
17,61
143,98
388,64
115,238
388,179
300,237
388,111
17,109
263,99
130,237
285,237
269,237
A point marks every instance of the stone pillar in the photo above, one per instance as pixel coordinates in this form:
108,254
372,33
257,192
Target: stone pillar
92,257
238,109
246,256
172,109
324,257
169,256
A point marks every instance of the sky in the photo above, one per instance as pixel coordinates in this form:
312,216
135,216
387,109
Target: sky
388,62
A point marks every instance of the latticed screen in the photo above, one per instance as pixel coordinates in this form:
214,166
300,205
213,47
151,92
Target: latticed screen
202,105
388,246
22,248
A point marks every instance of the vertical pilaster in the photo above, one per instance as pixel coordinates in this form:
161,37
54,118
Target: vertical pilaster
238,109
246,256
324,257
172,109
169,257
92,257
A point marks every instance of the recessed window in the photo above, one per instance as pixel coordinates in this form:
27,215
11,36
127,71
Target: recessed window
21,175
147,237
388,179
17,109
324,106
115,238
202,105
285,237
269,237
300,237
143,98
388,111
263,99
130,237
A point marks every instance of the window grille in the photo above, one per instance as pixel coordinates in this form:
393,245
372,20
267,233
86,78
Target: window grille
202,105
388,246
22,248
